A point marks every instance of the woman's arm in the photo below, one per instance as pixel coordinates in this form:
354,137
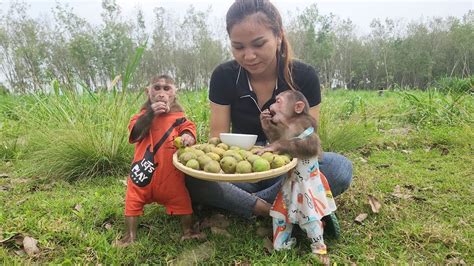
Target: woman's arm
219,119
314,112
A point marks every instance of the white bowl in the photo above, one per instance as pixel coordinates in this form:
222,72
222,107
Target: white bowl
244,141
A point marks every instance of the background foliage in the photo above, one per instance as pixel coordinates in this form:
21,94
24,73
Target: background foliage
68,48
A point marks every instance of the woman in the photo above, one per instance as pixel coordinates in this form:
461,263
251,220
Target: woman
240,89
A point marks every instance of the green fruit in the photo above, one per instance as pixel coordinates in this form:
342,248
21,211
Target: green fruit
178,142
243,167
260,165
214,140
287,158
268,156
203,160
278,162
228,164
198,146
208,148
244,153
183,150
223,146
218,151
193,163
213,156
199,153
228,153
235,148
186,156
252,158
212,167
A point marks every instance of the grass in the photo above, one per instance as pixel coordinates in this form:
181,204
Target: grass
431,164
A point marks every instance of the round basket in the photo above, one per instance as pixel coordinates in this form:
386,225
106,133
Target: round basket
250,177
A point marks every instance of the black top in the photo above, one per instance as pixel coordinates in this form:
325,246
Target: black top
229,85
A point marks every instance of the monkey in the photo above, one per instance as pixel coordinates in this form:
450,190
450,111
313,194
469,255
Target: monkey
153,177
156,104
305,196
284,120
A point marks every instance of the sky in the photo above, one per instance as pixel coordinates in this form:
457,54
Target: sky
361,12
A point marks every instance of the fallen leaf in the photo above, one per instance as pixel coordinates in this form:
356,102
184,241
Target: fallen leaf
20,252
124,182
360,218
362,160
21,201
398,193
384,165
196,255
107,226
268,245
375,204
4,188
4,175
216,220
30,246
406,151
8,164
220,231
78,207
264,231
444,151
14,237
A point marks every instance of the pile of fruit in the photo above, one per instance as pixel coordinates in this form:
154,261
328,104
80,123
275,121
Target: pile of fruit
217,157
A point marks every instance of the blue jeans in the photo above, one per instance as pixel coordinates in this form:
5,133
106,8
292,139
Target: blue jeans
240,198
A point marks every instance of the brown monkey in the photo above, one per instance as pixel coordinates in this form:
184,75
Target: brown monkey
153,177
305,196
285,120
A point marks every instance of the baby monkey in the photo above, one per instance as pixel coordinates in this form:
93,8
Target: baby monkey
305,196
153,177
285,120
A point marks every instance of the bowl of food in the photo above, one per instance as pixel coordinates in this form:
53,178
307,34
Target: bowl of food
243,141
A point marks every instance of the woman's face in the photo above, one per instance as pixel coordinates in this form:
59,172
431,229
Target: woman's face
254,46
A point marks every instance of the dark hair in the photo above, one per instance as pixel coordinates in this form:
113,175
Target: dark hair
241,9
296,96
168,79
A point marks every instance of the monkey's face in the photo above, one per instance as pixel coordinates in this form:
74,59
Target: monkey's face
162,91
281,110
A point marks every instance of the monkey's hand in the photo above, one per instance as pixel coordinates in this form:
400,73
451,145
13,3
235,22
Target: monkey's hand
265,118
187,139
270,148
160,107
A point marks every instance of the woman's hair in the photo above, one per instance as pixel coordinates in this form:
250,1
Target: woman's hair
241,9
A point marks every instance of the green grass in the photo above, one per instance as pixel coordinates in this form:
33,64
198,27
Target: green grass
431,163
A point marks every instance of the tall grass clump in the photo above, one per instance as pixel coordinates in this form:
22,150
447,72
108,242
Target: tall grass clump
196,106
344,126
9,123
76,136
449,102
80,135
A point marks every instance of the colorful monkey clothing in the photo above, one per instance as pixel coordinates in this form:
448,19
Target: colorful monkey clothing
166,184
304,198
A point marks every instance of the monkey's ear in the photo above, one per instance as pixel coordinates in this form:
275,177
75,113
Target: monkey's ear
299,107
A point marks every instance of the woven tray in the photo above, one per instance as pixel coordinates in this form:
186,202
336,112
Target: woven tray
250,177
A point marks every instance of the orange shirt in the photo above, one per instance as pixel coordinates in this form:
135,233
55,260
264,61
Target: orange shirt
167,185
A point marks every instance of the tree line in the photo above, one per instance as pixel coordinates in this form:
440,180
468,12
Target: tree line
70,50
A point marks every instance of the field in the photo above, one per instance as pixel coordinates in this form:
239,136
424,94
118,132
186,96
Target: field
64,160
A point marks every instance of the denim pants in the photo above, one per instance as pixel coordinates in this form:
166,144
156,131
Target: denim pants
240,198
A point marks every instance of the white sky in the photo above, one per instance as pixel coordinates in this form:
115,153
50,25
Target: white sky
359,11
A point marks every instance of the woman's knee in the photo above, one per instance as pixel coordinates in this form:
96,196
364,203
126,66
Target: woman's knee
338,170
